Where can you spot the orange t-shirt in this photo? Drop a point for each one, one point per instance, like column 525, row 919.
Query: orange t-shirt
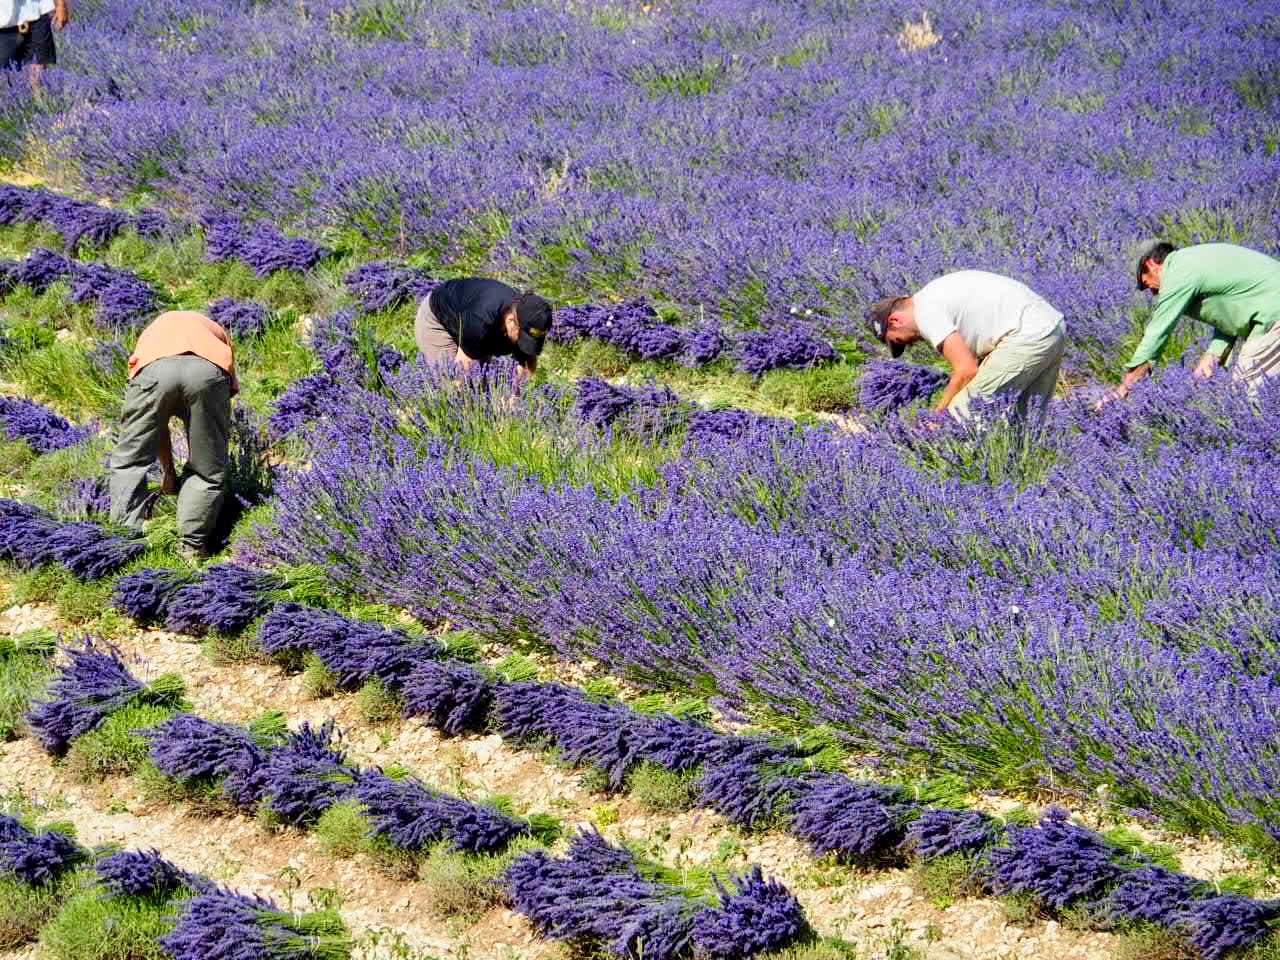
column 184, row 331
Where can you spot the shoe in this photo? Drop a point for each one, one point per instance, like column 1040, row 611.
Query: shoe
column 193, row 555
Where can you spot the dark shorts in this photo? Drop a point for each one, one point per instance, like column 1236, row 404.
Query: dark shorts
column 35, row 46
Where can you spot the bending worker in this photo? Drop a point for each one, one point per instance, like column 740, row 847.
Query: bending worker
column 182, row 366
column 998, row 335
column 1234, row 289
column 473, row 320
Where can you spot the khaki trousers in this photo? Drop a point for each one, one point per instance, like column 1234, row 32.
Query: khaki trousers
column 433, row 339
column 1258, row 358
column 1025, row 365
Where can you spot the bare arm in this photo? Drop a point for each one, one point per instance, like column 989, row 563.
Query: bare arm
column 164, row 453
column 61, row 14
column 964, row 367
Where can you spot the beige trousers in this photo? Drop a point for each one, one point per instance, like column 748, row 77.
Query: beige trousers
column 433, row 339
column 1027, row 365
column 1258, row 358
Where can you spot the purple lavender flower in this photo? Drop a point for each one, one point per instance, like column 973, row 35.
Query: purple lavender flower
column 153, row 224
column 451, row 696
column 38, row 859
column 89, row 552
column 42, row 429
column 751, row 782
column 93, row 683
column 301, row 403
column 754, row 916
column 1151, row 894
column 1218, row 925
column 299, row 779
column 141, row 873
column 219, row 924
column 109, row 358
column 1056, row 861
column 190, row 748
column 42, row 269
column 241, row 318
column 11, row 828
column 940, row 832
column 355, row 651
column 145, row 595
column 410, row 816
column 88, row 499
column 226, row 598
column 704, row 346
column 855, row 821
column 381, row 286
column 596, row 895
column 888, row 384
column 788, row 347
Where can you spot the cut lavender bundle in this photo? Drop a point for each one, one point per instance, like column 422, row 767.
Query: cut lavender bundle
column 141, row 873
column 1150, row 894
column 38, row 426
column 1056, row 861
column 88, row 499
column 451, row 696
column 226, row 598
column 606, row 735
column 857, row 822
column 1218, row 925
column 42, row 269
column 410, row 815
column 93, row 683
column 145, row 595
column 793, row 348
column 195, row 750
column 125, row 301
column 91, row 553
column 261, row 246
column 37, row 859
column 941, row 832
column 888, row 384
column 751, row 781
column 299, row 779
column 597, row 895
column 219, row 924
column 381, row 286
column 355, row 651
column 242, row 319
column 754, row 916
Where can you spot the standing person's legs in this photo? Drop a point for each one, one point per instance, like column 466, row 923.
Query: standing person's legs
column 1028, row 366
column 41, row 51
column 149, row 400
column 206, row 391
column 433, row 339
column 1258, row 358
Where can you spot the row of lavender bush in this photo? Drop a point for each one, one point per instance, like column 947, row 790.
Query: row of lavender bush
column 42, row 429
column 298, row 776
column 205, row 921
column 1102, row 586
column 753, row 781
column 735, row 156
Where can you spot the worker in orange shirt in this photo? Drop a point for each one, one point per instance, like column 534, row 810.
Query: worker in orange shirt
column 182, row 366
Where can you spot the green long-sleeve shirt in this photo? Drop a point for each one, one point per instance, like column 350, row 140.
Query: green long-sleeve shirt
column 1234, row 289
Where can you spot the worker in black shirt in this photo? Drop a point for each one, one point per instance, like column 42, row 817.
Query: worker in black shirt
column 472, row 320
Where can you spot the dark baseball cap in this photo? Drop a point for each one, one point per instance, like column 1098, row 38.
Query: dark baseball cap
column 534, row 315
column 878, row 317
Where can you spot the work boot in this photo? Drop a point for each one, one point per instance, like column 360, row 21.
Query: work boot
column 192, row 554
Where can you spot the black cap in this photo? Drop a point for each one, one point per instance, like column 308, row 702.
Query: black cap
column 878, row 317
column 534, row 315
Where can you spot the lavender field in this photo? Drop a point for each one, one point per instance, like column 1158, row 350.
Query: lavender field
column 689, row 647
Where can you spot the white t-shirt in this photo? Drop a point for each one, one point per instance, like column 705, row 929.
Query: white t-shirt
column 14, row 12
column 983, row 307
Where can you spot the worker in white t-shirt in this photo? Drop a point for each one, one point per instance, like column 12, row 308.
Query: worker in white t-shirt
column 999, row 336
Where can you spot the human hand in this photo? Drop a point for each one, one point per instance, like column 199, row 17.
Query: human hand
column 1206, row 368
column 1111, row 396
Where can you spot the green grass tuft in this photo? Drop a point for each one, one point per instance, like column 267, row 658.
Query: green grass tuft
column 114, row 747
column 464, row 885
column 79, row 602
column 343, row 830
column 93, row 925
column 377, row 703
column 659, row 790
column 24, row 910
column 947, row 879
column 318, row 681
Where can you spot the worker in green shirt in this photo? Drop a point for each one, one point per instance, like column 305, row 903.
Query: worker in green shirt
column 1233, row 288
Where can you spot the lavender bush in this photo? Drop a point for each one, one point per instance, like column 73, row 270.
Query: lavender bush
column 888, row 384
column 241, row 319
